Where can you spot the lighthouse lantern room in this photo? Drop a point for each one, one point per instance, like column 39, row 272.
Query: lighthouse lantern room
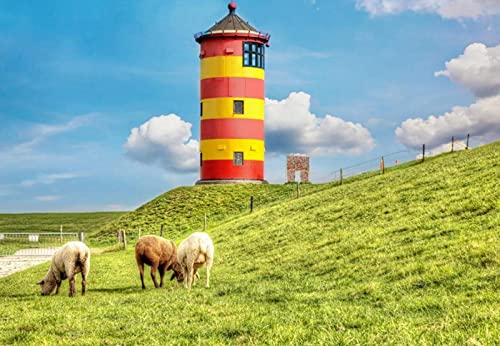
column 232, row 62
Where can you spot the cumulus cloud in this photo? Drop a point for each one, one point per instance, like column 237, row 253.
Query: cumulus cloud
column 481, row 120
column 164, row 140
column 477, row 69
column 451, row 9
column 291, row 127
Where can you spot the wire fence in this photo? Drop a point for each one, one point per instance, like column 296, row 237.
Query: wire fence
column 34, row 244
column 354, row 172
column 394, row 159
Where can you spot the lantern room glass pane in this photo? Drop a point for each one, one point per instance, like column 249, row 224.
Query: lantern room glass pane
column 246, row 59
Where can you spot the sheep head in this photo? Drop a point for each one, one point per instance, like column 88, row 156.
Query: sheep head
column 177, row 272
column 47, row 286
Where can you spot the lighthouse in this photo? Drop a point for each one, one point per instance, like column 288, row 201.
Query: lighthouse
column 232, row 63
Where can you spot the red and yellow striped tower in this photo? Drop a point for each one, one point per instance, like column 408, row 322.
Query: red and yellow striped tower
column 232, row 101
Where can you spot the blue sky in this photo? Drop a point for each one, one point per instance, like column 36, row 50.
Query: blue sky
column 77, row 77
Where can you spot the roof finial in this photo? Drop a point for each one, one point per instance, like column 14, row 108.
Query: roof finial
column 232, row 7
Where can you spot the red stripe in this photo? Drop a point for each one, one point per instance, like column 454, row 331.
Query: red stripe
column 225, row 169
column 232, row 87
column 232, row 129
column 221, row 47
column 224, row 47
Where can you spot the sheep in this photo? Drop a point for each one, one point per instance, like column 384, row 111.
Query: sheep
column 159, row 253
column 193, row 252
column 72, row 258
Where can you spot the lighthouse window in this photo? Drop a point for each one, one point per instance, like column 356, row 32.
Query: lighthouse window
column 201, row 109
column 238, row 158
column 201, row 159
column 253, row 54
column 238, row 107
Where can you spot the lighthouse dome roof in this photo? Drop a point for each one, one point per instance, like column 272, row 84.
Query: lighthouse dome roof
column 232, row 25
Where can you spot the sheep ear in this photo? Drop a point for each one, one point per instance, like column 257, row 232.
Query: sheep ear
column 41, row 282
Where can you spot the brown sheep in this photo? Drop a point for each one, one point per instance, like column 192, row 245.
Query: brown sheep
column 160, row 254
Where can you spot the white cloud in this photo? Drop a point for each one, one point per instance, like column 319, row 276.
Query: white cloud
column 478, row 69
column 481, row 120
column 48, row 198
column 291, row 127
column 40, row 133
column 49, row 179
column 452, row 9
column 164, row 140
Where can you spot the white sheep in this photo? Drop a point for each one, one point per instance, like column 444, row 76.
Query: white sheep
column 72, row 258
column 192, row 253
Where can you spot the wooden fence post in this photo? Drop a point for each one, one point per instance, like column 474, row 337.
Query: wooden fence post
column 161, row 231
column 61, row 233
column 452, row 142
column 80, row 236
column 122, row 238
column 382, row 165
column 467, row 145
column 423, row 152
column 341, row 176
column 251, row 204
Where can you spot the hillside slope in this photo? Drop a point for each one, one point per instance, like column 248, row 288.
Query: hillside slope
column 183, row 209
column 409, row 257
column 413, row 252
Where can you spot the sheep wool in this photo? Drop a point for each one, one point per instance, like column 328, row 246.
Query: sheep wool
column 72, row 258
column 193, row 252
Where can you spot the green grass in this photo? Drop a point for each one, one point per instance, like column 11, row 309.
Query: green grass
column 409, row 257
column 183, row 209
column 51, row 222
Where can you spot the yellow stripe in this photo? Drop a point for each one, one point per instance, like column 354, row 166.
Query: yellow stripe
column 222, row 107
column 228, row 66
column 223, row 149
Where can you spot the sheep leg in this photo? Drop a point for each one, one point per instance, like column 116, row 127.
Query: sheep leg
column 58, row 286
column 185, row 274
column 209, row 265
column 154, row 267
column 141, row 273
column 85, row 271
column 190, row 277
column 72, row 288
column 84, row 282
column 162, row 270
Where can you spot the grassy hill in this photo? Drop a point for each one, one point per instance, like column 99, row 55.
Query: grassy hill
column 51, row 222
column 183, row 209
column 409, row 257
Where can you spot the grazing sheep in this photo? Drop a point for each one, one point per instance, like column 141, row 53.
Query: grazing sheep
column 71, row 259
column 159, row 253
column 193, row 252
